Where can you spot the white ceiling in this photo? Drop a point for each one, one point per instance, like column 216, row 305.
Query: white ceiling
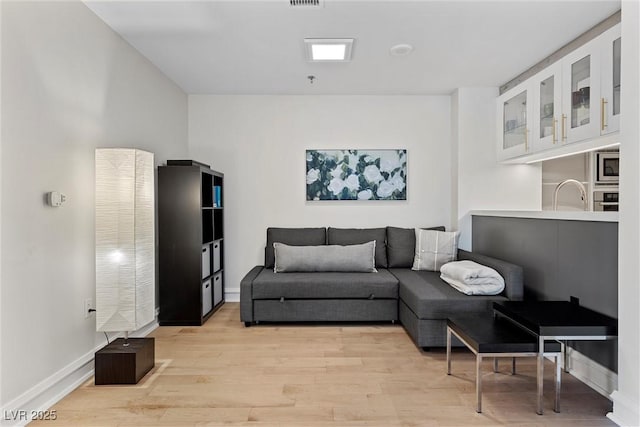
column 256, row 47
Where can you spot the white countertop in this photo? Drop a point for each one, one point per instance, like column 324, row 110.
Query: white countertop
column 563, row 215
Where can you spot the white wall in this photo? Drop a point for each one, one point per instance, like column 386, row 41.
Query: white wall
column 259, row 143
column 626, row 400
column 1, row 395
column 70, row 84
column 557, row 170
column 481, row 183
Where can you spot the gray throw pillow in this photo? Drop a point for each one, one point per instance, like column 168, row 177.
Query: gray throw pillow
column 351, row 258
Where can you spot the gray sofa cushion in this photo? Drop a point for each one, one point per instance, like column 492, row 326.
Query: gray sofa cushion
column 293, row 237
column 270, row 285
column 354, row 236
column 401, row 246
column 429, row 297
column 349, row 258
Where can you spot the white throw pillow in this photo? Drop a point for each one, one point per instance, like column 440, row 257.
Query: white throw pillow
column 434, row 249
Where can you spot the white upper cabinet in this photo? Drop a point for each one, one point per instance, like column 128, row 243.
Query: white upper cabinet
column 575, row 99
column 581, row 93
column 514, row 111
column 610, row 94
column 547, row 108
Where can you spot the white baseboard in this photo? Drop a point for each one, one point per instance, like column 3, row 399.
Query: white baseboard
column 625, row 411
column 232, row 295
column 42, row 396
column 46, row 393
column 596, row 376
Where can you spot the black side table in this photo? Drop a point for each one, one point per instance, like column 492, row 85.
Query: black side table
column 556, row 321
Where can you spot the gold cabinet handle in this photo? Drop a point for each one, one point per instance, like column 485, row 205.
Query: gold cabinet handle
column 603, row 115
column 564, row 127
column 555, row 131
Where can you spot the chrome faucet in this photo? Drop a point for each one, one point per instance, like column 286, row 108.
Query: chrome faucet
column 583, row 193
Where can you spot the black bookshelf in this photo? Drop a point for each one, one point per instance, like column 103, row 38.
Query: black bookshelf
column 191, row 242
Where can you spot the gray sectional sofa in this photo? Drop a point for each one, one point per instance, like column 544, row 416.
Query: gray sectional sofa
column 420, row 300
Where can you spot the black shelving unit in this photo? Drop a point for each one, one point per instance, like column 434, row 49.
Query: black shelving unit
column 191, row 240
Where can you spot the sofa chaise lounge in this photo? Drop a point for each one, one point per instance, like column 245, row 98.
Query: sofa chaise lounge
column 420, row 300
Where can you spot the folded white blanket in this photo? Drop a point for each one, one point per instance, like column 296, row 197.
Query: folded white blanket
column 472, row 278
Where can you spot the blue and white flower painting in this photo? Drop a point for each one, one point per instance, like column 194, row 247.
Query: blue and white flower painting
column 356, row 174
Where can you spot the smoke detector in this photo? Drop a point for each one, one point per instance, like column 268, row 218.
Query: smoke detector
column 401, row 50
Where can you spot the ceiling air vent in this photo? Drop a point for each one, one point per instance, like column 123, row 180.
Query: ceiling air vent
column 315, row 3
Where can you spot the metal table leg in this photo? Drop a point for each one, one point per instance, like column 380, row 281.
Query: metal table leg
column 540, row 380
column 495, row 364
column 448, row 351
column 478, row 383
column 556, row 403
column 513, row 366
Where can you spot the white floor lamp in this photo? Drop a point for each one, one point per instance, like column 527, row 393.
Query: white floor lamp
column 125, row 261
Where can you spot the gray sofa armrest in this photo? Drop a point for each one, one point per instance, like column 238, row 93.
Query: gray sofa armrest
column 246, row 300
column 512, row 273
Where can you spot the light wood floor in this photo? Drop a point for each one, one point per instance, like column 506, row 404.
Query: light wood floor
column 342, row 375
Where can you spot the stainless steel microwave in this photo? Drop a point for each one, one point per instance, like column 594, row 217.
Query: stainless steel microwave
column 605, row 201
column 608, row 166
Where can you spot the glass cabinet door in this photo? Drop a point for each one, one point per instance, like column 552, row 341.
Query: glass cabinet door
column 514, row 122
column 580, row 92
column 547, row 107
column 581, row 89
column 617, row 57
column 514, row 117
column 610, row 97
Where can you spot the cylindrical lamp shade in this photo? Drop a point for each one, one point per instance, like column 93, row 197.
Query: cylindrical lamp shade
column 125, row 239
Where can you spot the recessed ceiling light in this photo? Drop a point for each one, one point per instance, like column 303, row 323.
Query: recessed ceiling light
column 328, row 50
column 401, row 50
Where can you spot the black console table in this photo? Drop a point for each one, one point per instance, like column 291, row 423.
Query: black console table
column 556, row 321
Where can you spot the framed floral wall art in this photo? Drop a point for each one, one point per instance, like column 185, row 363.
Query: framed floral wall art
column 356, row 174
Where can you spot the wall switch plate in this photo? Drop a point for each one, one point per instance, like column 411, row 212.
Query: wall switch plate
column 88, row 305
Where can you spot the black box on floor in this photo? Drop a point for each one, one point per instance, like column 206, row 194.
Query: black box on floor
column 119, row 364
